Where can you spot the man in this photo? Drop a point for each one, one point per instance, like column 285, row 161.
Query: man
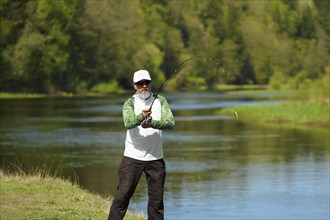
column 143, row 148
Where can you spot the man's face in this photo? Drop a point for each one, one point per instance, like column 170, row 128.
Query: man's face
column 143, row 86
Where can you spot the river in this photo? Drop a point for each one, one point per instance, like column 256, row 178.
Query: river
column 217, row 167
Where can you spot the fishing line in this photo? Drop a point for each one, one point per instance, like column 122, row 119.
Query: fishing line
column 217, row 63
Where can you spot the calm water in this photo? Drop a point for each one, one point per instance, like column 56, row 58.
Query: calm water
column 217, row 167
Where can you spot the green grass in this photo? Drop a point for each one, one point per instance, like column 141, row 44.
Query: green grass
column 4, row 95
column 228, row 87
column 37, row 196
column 95, row 93
column 20, row 95
column 289, row 113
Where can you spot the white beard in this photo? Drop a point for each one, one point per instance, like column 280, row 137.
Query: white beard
column 144, row 95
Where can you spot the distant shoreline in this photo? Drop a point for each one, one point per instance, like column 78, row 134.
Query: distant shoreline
column 291, row 113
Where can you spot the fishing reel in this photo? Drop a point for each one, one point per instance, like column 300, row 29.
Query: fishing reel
column 148, row 119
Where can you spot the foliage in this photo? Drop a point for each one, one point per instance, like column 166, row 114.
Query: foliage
column 107, row 88
column 74, row 45
column 317, row 90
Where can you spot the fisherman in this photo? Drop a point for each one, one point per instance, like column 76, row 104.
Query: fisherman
column 143, row 148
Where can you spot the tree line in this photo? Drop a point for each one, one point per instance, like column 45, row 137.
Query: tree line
column 51, row 46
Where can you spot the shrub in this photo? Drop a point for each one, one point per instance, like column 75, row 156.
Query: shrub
column 107, row 88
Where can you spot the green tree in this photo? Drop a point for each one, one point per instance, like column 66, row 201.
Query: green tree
column 108, row 35
column 39, row 58
column 172, row 51
column 13, row 17
column 284, row 15
column 150, row 57
column 307, row 25
column 323, row 7
column 77, row 45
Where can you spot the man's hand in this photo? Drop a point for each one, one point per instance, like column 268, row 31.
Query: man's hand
column 146, row 113
column 146, row 123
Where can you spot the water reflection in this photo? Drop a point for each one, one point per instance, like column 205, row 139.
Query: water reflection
column 217, row 167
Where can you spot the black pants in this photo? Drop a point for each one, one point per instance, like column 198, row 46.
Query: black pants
column 129, row 173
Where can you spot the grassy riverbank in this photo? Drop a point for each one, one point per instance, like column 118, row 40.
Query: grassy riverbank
column 288, row 113
column 44, row 197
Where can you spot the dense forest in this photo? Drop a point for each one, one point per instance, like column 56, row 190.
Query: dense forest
column 50, row 46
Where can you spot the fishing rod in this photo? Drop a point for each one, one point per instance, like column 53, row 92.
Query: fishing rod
column 172, row 74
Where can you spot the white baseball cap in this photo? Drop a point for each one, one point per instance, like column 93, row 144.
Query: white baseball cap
column 140, row 75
